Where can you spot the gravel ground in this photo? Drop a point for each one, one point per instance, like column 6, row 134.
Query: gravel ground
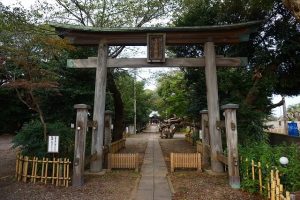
column 192, row 185
column 118, row 184
column 115, row 185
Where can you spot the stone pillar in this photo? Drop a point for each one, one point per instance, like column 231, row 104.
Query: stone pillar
column 99, row 109
column 79, row 151
column 213, row 105
column 232, row 144
column 205, row 139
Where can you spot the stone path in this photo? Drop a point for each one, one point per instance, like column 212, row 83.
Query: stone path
column 153, row 184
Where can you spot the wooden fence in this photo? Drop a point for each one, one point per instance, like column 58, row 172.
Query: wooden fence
column 117, row 146
column 271, row 184
column 188, row 138
column 123, row 161
column 185, row 160
column 55, row 171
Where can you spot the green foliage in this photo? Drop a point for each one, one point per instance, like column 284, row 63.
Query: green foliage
column 125, row 82
column 31, row 142
column 172, row 91
column 273, row 60
column 269, row 156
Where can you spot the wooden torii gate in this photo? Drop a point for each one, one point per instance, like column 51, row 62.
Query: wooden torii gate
column 156, row 38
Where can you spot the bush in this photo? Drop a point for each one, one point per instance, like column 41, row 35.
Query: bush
column 268, row 155
column 31, row 142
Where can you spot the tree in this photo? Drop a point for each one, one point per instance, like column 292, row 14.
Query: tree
column 25, row 51
column 134, row 13
column 293, row 112
column 293, row 6
column 172, row 91
column 272, row 53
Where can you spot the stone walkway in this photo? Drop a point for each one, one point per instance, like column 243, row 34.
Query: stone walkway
column 153, row 184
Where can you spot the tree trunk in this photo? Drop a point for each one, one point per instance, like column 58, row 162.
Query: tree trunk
column 119, row 125
column 41, row 115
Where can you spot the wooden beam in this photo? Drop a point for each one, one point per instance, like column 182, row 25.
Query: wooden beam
column 213, row 105
column 142, row 62
column 99, row 108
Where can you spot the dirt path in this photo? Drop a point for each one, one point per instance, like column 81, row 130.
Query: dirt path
column 118, row 184
column 115, row 185
column 7, row 156
column 201, row 186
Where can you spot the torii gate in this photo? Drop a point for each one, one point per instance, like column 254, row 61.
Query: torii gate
column 156, row 38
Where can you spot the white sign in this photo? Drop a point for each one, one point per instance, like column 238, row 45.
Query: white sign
column 53, row 144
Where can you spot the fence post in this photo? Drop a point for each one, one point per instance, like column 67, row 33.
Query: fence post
column 79, row 151
column 205, row 138
column 232, row 144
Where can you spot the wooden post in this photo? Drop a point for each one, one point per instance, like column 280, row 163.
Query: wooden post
column 213, row 105
column 205, row 138
column 99, row 109
column 107, row 129
column 79, row 152
column 232, row 144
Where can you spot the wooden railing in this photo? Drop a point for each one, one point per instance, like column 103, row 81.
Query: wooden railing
column 123, row 161
column 185, row 160
column 117, row 146
column 188, row 138
column 271, row 184
column 222, row 158
column 55, row 171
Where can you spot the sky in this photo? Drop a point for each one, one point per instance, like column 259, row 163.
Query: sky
column 147, row 73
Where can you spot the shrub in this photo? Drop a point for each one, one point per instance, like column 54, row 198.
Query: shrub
column 268, row 155
column 31, row 142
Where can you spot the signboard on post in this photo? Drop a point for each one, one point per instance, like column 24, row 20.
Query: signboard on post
column 53, row 144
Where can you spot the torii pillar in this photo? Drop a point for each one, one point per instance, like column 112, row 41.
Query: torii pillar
column 99, row 108
column 213, row 105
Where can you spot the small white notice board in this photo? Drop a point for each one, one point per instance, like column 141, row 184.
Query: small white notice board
column 53, row 143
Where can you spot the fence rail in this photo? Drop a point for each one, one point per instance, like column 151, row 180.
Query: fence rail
column 117, row 146
column 188, row 138
column 123, row 161
column 185, row 160
column 34, row 170
column 270, row 183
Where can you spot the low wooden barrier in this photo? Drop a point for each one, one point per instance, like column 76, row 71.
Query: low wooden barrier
column 204, row 149
column 222, row 158
column 123, row 161
column 189, row 138
column 185, row 160
column 55, row 171
column 271, row 184
column 117, row 146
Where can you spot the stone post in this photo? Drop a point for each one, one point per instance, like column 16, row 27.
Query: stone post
column 79, row 151
column 205, row 138
column 232, row 144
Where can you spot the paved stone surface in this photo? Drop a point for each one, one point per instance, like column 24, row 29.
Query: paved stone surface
column 153, row 184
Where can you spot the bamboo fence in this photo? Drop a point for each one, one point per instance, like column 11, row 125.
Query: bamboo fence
column 117, row 146
column 185, row 160
column 55, row 171
column 123, row 161
column 271, row 184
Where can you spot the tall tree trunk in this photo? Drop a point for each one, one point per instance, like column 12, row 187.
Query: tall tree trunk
column 119, row 125
column 41, row 115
